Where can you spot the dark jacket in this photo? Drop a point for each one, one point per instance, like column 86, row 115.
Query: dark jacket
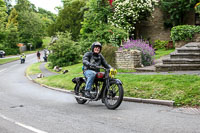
column 90, row 60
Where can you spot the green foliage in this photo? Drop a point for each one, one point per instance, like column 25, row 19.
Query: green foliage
column 11, row 51
column 129, row 12
column 12, row 37
column 184, row 32
column 197, row 8
column 31, row 28
column 108, row 52
column 69, row 19
column 34, row 69
column 160, row 44
column 3, row 16
column 96, row 27
column 8, row 5
column 46, row 41
column 24, row 5
column 176, row 9
column 32, row 23
column 6, row 60
column 105, row 34
column 64, row 52
column 47, row 17
column 162, row 52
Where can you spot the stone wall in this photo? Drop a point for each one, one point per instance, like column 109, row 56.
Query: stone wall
column 196, row 38
column 153, row 28
column 128, row 59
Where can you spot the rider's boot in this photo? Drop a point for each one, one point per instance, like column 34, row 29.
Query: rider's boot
column 87, row 94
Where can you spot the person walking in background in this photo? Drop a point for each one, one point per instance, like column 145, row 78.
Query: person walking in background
column 38, row 56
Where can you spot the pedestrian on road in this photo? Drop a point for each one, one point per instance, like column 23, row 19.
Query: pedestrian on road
column 38, row 56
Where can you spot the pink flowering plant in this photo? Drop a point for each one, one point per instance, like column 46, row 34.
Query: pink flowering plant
column 147, row 51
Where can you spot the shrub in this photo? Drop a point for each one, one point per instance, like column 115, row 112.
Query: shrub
column 11, row 51
column 146, row 49
column 108, row 52
column 105, row 34
column 160, row 44
column 129, row 12
column 64, row 52
column 184, row 32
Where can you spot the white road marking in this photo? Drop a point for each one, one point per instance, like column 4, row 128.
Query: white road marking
column 22, row 125
column 8, row 68
column 13, row 65
column 3, row 70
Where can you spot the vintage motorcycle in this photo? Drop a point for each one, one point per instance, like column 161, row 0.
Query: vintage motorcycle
column 105, row 88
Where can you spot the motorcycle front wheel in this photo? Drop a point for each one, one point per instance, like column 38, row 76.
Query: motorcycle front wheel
column 113, row 96
column 79, row 91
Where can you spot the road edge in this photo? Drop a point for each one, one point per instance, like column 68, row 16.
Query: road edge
column 128, row 99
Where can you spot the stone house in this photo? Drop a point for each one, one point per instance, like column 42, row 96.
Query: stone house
column 153, row 28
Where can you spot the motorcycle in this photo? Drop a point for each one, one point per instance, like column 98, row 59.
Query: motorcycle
column 105, row 87
column 22, row 60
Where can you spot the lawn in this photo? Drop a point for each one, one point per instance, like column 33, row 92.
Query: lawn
column 34, row 69
column 162, row 52
column 183, row 89
column 6, row 60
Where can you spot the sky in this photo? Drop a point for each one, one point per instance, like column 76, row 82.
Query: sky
column 48, row 5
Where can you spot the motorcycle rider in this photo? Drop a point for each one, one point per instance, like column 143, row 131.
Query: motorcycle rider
column 23, row 57
column 91, row 60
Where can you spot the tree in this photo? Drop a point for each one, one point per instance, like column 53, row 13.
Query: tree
column 69, row 19
column 8, row 5
column 47, row 17
column 31, row 28
column 3, row 16
column 30, row 25
column 24, row 5
column 64, row 52
column 176, row 10
column 96, row 26
column 12, row 30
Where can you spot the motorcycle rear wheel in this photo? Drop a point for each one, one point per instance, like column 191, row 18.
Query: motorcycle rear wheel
column 80, row 92
column 114, row 96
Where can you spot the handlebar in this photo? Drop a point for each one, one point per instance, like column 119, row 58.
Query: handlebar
column 100, row 67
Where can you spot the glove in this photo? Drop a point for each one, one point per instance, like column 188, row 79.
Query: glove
column 93, row 66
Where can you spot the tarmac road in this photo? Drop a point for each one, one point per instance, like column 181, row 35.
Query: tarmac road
column 27, row 107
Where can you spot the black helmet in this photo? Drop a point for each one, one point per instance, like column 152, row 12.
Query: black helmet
column 96, row 44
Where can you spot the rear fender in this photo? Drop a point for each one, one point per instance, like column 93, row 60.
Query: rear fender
column 78, row 80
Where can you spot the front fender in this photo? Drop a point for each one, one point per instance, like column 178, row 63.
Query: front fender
column 116, row 81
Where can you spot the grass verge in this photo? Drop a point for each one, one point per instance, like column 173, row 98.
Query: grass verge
column 33, row 69
column 183, row 89
column 7, row 60
column 163, row 52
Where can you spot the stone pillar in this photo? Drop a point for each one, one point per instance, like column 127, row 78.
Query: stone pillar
column 128, row 59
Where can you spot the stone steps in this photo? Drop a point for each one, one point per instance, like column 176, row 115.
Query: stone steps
column 188, row 50
column 192, row 44
column 181, row 61
column 176, row 67
column 185, row 55
column 184, row 58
